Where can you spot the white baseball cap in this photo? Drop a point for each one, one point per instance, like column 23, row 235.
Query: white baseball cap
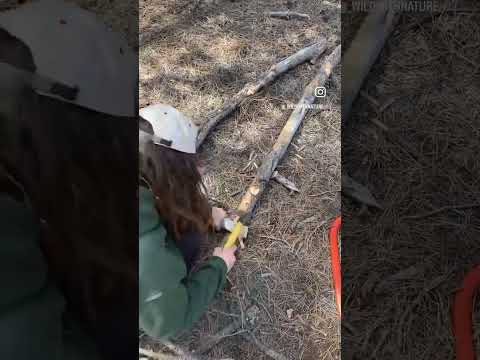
column 166, row 126
column 77, row 58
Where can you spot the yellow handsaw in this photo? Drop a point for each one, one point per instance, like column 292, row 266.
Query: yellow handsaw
column 237, row 230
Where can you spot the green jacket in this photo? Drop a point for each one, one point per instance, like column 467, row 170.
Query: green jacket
column 169, row 299
column 32, row 322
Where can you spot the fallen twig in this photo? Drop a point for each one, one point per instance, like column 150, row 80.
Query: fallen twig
column 265, row 171
column 284, row 181
column 378, row 109
column 288, row 15
column 266, row 350
column 219, row 336
column 267, row 78
column 227, row 331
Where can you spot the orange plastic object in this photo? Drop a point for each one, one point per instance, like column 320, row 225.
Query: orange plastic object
column 462, row 315
column 336, row 265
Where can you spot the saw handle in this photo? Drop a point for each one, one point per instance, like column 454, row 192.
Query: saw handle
column 231, row 239
column 336, row 261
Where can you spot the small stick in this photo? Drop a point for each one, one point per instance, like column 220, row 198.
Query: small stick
column 288, row 15
column 290, row 185
column 265, row 171
column 213, row 340
column 229, row 330
column 378, row 109
column 266, row 350
column 267, row 78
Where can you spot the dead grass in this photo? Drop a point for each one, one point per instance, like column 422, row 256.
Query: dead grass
column 194, row 55
column 402, row 265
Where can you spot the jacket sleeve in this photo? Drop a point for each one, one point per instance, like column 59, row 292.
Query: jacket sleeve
column 30, row 307
column 171, row 301
column 177, row 307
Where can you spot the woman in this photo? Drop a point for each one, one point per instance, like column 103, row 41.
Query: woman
column 68, row 261
column 174, row 220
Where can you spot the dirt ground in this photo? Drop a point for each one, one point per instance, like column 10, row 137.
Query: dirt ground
column 194, row 55
column 402, row 265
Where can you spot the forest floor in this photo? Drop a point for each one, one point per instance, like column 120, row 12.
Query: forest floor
column 401, row 142
column 194, row 55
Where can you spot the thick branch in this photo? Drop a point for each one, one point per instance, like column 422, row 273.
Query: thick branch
column 267, row 78
column 265, row 171
column 363, row 52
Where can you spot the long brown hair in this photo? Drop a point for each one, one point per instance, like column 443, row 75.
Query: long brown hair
column 78, row 168
column 176, row 183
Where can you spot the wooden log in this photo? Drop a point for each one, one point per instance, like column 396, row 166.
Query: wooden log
column 265, row 171
column 267, row 78
column 288, row 15
column 363, row 52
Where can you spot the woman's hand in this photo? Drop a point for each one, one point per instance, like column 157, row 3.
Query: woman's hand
column 218, row 215
column 227, row 255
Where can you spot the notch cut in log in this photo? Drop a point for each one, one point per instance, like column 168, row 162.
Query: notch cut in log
column 265, row 171
column 363, row 52
column 301, row 56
